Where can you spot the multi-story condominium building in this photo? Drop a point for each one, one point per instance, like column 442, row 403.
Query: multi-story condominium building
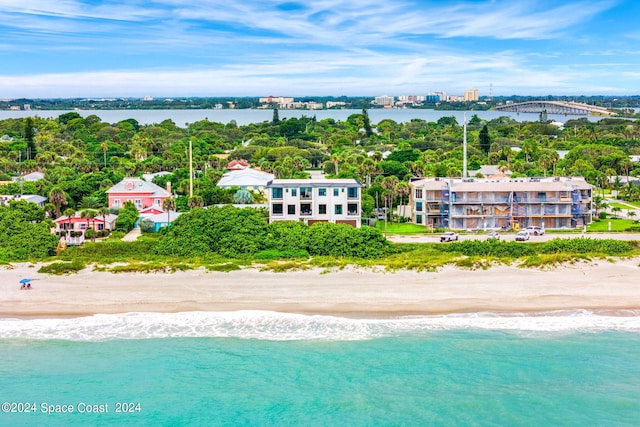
column 471, row 95
column 315, row 200
column 275, row 100
column 384, row 100
column 472, row 203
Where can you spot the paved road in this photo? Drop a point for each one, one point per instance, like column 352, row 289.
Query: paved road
column 435, row 238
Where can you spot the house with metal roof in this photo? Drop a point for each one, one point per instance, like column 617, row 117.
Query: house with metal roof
column 142, row 193
column 246, row 179
column 472, row 203
column 33, row 198
column 315, row 200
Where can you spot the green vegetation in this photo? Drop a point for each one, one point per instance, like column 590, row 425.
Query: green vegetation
column 24, row 236
column 232, row 232
column 407, row 228
column 617, row 225
column 82, row 157
column 60, row 268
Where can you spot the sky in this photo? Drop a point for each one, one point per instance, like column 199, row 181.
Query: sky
column 210, row 48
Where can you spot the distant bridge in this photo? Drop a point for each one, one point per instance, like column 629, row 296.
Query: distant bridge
column 555, row 107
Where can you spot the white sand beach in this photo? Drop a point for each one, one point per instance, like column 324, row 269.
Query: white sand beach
column 599, row 285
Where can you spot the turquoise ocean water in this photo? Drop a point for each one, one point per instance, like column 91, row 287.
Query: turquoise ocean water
column 260, row 368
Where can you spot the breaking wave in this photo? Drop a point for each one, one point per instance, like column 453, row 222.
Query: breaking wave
column 267, row 325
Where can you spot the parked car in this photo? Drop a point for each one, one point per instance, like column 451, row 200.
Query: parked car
column 449, row 236
column 536, row 231
column 494, row 235
column 522, row 236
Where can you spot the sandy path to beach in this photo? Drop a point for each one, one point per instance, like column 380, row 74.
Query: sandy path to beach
column 601, row 285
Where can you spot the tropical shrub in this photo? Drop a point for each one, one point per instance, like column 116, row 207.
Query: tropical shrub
column 21, row 239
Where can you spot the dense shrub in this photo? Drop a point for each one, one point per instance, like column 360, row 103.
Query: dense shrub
column 234, row 232
column 341, row 240
column 23, row 240
column 287, row 235
column 227, row 230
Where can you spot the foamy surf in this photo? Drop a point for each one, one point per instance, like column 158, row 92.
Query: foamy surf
column 284, row 326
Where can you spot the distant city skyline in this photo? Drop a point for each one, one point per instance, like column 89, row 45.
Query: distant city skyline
column 210, row 48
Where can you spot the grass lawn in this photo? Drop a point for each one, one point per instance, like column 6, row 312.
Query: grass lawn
column 625, row 206
column 404, row 229
column 617, row 224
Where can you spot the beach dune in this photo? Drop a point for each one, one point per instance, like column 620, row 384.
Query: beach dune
column 600, row 285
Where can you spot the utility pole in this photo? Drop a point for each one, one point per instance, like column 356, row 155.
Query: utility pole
column 190, row 169
column 464, row 147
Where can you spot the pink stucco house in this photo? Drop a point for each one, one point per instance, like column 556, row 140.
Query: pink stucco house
column 143, row 194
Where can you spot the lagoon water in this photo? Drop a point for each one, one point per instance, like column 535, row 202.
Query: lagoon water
column 262, row 368
column 247, row 116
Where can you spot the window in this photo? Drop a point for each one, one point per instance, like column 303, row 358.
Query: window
column 338, row 209
column 418, row 193
column 305, row 209
column 352, row 192
column 116, row 203
column 352, row 209
column 276, row 193
column 419, row 206
column 156, row 202
column 336, row 192
column 276, row 208
column 322, row 209
column 294, row 192
column 291, row 209
column 418, row 219
column 305, row 193
column 322, row 191
column 138, row 203
column 542, row 196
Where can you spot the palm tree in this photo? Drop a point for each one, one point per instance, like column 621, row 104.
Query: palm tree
column 402, row 189
column 631, row 213
column 615, row 210
column 103, row 212
column 104, row 148
column 169, row 205
column 390, row 184
column 89, row 215
column 69, row 213
column 243, row 197
column 195, row 202
column 58, row 197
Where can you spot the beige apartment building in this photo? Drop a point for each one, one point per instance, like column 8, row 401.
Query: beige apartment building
column 472, row 203
column 471, row 95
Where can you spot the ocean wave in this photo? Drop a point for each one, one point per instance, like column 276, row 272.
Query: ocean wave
column 284, row 326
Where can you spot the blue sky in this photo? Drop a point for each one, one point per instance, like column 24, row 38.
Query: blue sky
column 175, row 48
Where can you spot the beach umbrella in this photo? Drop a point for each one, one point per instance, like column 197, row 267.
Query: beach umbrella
column 25, row 280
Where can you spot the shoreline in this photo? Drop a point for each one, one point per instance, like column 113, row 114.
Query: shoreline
column 351, row 292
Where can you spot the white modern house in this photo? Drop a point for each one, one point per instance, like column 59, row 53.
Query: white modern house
column 315, row 200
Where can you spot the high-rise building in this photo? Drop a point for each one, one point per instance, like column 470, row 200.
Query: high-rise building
column 384, row 100
column 471, row 95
